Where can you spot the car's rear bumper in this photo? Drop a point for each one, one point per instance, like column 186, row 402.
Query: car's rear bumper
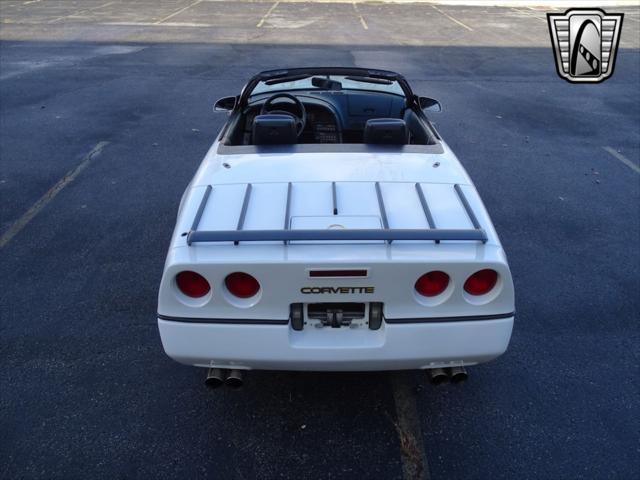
column 395, row 346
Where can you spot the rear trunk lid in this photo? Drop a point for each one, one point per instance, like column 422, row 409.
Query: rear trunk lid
column 382, row 211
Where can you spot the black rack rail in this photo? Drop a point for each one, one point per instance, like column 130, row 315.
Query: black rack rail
column 386, row 234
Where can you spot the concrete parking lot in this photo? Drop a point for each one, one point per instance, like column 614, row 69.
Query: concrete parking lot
column 105, row 113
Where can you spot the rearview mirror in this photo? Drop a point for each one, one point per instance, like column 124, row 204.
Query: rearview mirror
column 430, row 104
column 326, row 83
column 225, row 104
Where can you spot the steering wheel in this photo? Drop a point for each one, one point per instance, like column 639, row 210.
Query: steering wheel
column 300, row 119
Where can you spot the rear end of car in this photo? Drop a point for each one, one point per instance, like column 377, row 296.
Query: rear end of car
column 340, row 276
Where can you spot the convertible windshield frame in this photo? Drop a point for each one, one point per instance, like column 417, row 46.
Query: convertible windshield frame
column 307, row 84
column 249, row 88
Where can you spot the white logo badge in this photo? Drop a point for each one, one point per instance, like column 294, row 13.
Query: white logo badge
column 585, row 42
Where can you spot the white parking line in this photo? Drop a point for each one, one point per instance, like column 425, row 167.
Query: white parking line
column 453, row 19
column 22, row 222
column 414, row 459
column 162, row 25
column 178, row 12
column 362, row 22
column 87, row 10
column 266, row 15
column 528, row 14
column 623, row 159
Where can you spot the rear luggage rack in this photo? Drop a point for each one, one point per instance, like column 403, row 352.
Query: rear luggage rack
column 386, row 234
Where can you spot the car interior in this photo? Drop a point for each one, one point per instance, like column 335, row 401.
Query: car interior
column 328, row 116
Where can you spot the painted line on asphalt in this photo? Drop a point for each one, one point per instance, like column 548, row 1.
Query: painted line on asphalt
column 154, row 24
column 623, row 159
column 178, row 12
column 453, row 19
column 266, row 15
column 362, row 22
column 22, row 222
column 528, row 14
column 414, row 459
column 86, row 10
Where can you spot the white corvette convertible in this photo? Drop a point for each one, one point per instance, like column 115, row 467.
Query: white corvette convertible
column 329, row 227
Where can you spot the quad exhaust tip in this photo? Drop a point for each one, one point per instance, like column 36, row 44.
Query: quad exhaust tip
column 216, row 377
column 438, row 376
column 234, row 379
column 458, row 374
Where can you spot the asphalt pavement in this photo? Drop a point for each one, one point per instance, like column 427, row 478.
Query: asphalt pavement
column 105, row 114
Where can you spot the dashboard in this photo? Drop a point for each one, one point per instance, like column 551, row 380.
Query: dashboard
column 322, row 126
column 332, row 116
column 322, row 123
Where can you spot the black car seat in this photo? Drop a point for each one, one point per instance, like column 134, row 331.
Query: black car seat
column 386, row 131
column 418, row 133
column 274, row 129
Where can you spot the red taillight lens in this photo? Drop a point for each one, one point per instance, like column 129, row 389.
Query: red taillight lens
column 432, row 283
column 481, row 282
column 192, row 284
column 242, row 284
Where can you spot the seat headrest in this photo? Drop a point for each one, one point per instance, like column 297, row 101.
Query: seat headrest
column 388, row 131
column 274, row 129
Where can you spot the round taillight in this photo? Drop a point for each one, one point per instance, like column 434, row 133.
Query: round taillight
column 192, row 284
column 481, row 282
column 432, row 283
column 242, row 285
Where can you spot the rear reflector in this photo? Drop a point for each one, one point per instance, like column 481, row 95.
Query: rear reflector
column 337, row 273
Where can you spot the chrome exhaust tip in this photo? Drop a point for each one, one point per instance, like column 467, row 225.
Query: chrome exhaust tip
column 215, row 378
column 234, row 379
column 458, row 374
column 437, row 376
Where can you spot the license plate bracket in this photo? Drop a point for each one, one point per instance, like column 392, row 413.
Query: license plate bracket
column 336, row 314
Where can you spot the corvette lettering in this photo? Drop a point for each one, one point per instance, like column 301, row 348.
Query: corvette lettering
column 314, row 290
